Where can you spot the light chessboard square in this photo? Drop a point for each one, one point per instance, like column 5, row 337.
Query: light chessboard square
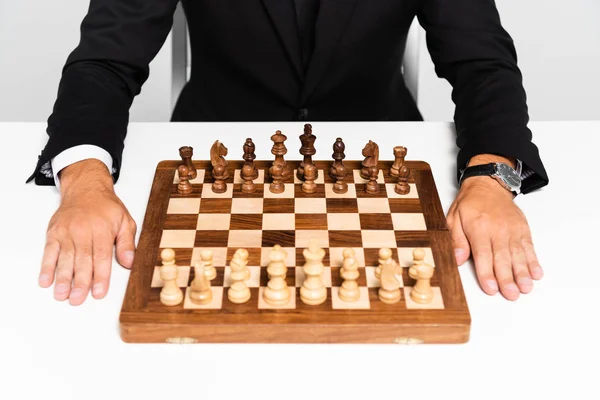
column 310, row 206
column 219, row 255
column 183, row 206
column 275, row 222
column 336, row 256
column 262, row 304
column 362, row 303
column 391, row 193
column 300, row 276
column 237, row 178
column 245, row 238
column 178, row 238
column 320, row 177
column 213, row 222
column 208, row 193
column 247, row 206
column 358, row 179
column 183, row 276
column 373, row 206
column 290, row 259
column 436, row 303
column 409, row 222
column 253, row 281
column 330, row 194
column 215, row 304
column 304, row 237
column 378, row 239
column 197, row 181
column 288, row 192
column 343, row 222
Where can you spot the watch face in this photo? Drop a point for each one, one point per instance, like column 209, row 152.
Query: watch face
column 509, row 175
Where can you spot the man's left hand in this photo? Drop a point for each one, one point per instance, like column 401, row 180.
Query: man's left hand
column 487, row 224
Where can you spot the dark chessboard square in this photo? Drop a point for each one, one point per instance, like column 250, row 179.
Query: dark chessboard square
column 278, row 206
column 254, row 254
column 180, row 222
column 345, row 239
column 257, row 194
column 376, row 222
column 311, row 221
column 211, row 238
column 208, row 178
column 196, row 192
column 319, row 193
column 300, row 260
column 372, row 257
column 378, row 306
column 215, row 206
column 405, row 206
column 246, row 221
column 412, row 238
column 183, row 257
column 290, row 277
column 282, row 238
column 342, row 206
column 362, row 193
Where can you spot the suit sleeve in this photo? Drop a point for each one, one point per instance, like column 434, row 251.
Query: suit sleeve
column 102, row 76
column 473, row 52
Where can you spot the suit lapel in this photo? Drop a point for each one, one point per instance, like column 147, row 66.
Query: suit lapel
column 332, row 20
column 283, row 17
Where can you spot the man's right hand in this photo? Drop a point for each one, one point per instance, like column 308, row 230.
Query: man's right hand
column 90, row 220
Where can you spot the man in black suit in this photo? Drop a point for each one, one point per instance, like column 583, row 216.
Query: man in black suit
column 283, row 60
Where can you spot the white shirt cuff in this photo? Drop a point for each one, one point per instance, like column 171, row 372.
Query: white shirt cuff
column 76, row 154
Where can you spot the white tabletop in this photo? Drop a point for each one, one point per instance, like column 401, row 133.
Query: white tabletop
column 545, row 343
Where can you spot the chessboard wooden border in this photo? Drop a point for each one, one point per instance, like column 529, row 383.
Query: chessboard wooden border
column 140, row 324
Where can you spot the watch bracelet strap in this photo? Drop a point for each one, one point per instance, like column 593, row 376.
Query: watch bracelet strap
column 478, row 170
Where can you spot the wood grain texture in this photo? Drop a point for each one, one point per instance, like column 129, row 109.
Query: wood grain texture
column 144, row 319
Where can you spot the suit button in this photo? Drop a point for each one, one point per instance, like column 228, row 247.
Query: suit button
column 303, row 114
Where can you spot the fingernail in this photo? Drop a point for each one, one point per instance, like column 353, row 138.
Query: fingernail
column 44, row 279
column 524, row 281
column 459, row 253
column 77, row 292
column 61, row 288
column 511, row 287
column 492, row 285
column 537, row 271
column 98, row 289
column 129, row 256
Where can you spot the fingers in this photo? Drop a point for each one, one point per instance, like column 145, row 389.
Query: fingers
column 125, row 243
column 459, row 242
column 49, row 261
column 102, row 257
column 481, row 248
column 520, row 267
column 64, row 270
column 82, row 269
column 533, row 263
column 503, row 266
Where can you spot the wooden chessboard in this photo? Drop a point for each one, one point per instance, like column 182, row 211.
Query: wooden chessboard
column 257, row 222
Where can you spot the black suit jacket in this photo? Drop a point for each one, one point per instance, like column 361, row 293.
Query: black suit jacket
column 247, row 66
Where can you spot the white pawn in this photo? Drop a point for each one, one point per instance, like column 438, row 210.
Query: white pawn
column 349, row 290
column 170, row 294
column 313, row 290
column 422, row 293
column 200, row 292
column 209, row 270
column 277, row 292
column 239, row 292
column 385, row 256
column 418, row 259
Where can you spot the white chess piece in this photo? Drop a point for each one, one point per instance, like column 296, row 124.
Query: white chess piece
column 239, row 292
column 349, row 291
column 170, row 294
column 277, row 292
column 313, row 290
